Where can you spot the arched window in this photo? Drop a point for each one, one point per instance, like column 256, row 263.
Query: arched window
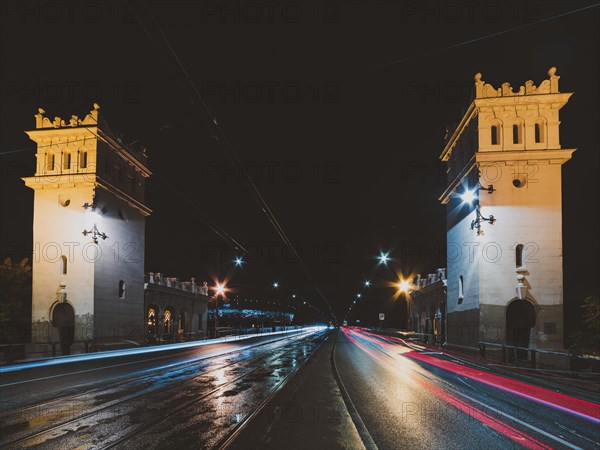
column 495, row 135
column 83, row 160
column 63, row 265
column 517, row 133
column 66, row 161
column 461, row 291
column 151, row 320
column 539, row 130
column 167, row 322
column 49, row 161
column 519, row 256
column 121, row 289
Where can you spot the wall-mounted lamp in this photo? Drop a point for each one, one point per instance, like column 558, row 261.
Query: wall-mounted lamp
column 476, row 223
column 95, row 234
column 472, row 196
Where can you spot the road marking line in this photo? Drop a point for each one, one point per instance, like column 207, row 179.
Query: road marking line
column 502, row 413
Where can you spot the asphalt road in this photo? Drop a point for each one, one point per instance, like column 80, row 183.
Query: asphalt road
column 408, row 397
column 150, row 398
column 346, row 388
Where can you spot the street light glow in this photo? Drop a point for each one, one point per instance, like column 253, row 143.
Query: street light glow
column 468, row 196
column 238, row 261
column 275, row 284
column 358, row 295
column 220, row 289
column 384, row 258
column 367, row 283
column 404, row 286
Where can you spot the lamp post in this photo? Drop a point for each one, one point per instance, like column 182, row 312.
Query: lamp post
column 404, row 287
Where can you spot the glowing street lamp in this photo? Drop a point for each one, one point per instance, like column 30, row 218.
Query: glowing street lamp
column 404, row 286
column 384, row 258
column 367, row 283
column 220, row 289
column 359, row 295
column 276, row 285
column 468, row 196
column 238, row 261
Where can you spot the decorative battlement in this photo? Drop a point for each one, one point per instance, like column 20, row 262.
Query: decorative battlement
column 174, row 283
column 432, row 278
column 92, row 119
column 44, row 122
column 549, row 86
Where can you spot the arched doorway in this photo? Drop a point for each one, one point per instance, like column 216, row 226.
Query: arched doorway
column 167, row 323
column 181, row 326
column 520, row 319
column 151, row 321
column 63, row 318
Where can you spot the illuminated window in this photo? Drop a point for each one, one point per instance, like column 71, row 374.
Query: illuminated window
column 66, row 161
column 167, row 322
column 121, row 289
column 63, row 265
column 83, row 160
column 460, row 289
column 151, row 320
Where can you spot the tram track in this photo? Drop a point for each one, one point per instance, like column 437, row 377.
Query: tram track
column 196, row 363
column 56, row 430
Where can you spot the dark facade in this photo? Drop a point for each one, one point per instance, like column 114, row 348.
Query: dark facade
column 174, row 310
column 427, row 307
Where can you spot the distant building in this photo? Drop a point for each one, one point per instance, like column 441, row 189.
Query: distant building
column 427, row 307
column 504, row 217
column 175, row 310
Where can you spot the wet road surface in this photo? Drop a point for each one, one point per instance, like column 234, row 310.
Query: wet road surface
column 406, row 397
column 346, row 389
column 192, row 398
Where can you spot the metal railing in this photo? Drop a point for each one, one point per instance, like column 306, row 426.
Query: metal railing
column 511, row 353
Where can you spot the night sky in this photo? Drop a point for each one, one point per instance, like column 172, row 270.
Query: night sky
column 339, row 111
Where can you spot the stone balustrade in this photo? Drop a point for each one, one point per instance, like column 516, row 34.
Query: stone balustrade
column 175, row 283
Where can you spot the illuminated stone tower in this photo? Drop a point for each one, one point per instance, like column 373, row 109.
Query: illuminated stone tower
column 88, row 231
column 504, row 217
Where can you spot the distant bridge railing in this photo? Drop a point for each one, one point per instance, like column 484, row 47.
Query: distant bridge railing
column 12, row 352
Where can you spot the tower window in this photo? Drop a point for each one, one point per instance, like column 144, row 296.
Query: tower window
column 538, row 133
column 66, row 161
column 494, row 135
column 519, row 256
column 83, row 160
column 63, row 265
column 121, row 289
column 517, row 134
column 460, row 289
column 49, row 161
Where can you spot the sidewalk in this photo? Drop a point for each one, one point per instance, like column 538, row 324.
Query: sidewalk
column 584, row 385
column 308, row 413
